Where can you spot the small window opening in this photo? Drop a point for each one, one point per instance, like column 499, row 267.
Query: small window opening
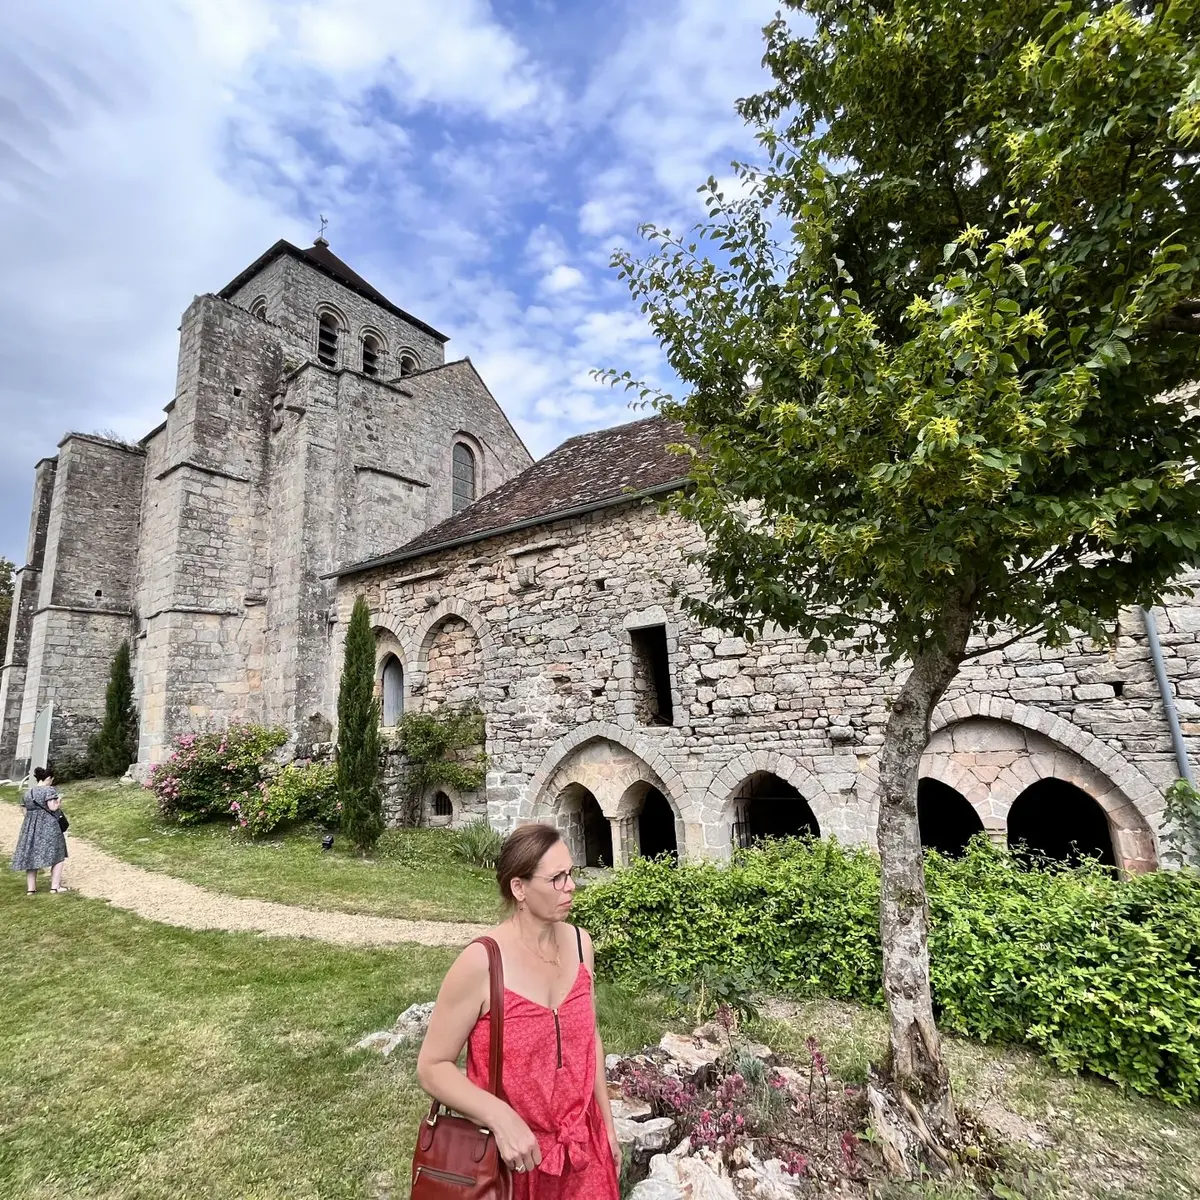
column 652, row 676
column 99, row 593
column 327, row 340
column 393, row 691
column 441, row 805
column 1119, row 687
column 464, row 478
column 599, row 584
column 259, row 308
column 370, row 355
column 408, row 365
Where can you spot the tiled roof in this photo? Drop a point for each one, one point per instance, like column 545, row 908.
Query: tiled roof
column 586, row 472
column 320, row 256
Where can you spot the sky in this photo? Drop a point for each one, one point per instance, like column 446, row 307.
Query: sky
column 478, row 162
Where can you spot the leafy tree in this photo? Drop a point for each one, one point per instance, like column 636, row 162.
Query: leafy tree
column 112, row 750
column 943, row 411
column 358, row 764
column 6, row 597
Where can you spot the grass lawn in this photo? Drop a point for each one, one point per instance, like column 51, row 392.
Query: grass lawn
column 413, row 875
column 140, row 1061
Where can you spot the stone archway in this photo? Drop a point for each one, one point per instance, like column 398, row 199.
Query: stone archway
column 584, row 827
column 1059, row 821
column 992, row 761
column 947, row 818
column 765, row 806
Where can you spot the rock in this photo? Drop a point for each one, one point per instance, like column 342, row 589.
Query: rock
column 702, row 1181
column 412, row 1023
column 757, row 1050
column 611, row 1063
column 769, row 1181
column 410, row 1026
column 661, row 1184
column 1010, row 1125
column 690, row 1057
column 630, row 1110
column 644, row 1137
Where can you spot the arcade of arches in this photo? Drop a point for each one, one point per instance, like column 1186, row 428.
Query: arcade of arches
column 978, row 776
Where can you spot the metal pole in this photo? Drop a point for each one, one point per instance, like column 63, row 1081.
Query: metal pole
column 1168, row 697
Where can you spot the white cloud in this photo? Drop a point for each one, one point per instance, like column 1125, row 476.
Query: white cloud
column 563, row 279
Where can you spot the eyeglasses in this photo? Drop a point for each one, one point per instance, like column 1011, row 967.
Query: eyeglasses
column 559, row 880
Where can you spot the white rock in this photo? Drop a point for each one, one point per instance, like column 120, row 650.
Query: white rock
column 383, row 1040
column 630, row 1110
column 611, row 1063
column 412, row 1023
column 661, row 1184
column 704, row 1182
column 690, row 1056
column 644, row 1136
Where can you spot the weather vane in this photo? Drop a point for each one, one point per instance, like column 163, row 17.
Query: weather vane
column 324, row 226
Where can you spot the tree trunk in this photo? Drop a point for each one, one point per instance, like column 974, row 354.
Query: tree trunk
column 911, row 1099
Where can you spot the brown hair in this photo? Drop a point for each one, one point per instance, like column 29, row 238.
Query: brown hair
column 519, row 856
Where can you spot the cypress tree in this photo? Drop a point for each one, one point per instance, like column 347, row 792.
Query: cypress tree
column 112, row 750
column 358, row 765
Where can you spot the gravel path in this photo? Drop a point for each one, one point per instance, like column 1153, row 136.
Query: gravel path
column 171, row 901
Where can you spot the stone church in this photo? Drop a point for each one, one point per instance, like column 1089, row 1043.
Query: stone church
column 319, row 447
column 313, row 423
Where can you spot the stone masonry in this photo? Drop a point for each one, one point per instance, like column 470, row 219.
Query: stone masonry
column 552, row 611
column 207, row 542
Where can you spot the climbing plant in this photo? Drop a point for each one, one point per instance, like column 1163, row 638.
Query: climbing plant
column 1181, row 839
column 433, row 743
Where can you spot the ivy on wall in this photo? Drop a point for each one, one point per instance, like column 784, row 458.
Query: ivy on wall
column 433, row 743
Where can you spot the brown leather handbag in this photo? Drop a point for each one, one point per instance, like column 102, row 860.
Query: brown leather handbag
column 455, row 1159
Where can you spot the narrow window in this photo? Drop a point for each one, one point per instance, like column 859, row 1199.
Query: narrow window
column 327, row 340
column 652, row 675
column 464, row 477
column 259, row 308
column 393, row 691
column 370, row 354
column 441, row 805
column 408, row 364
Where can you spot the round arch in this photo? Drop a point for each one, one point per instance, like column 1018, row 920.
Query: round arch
column 422, row 637
column 664, row 776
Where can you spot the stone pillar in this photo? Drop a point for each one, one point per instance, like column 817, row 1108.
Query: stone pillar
column 626, row 843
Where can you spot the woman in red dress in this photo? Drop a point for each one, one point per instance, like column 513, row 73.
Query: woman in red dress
column 554, row 1125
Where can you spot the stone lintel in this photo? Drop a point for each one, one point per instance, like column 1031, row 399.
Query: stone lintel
column 390, row 474
column 204, row 469
column 535, row 547
column 417, row 577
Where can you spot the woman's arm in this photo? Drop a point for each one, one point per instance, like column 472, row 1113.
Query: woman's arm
column 458, row 1007
column 600, row 1087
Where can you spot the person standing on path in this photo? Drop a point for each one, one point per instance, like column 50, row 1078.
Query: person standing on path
column 41, row 843
column 554, row 1125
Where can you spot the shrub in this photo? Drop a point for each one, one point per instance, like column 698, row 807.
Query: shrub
column 299, row 791
column 1097, row 972
column 358, row 765
column 115, row 746
column 208, row 772
column 478, row 843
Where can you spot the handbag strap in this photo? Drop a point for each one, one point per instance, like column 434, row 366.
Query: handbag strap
column 496, row 1015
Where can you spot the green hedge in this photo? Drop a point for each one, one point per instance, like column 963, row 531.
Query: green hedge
column 1099, row 973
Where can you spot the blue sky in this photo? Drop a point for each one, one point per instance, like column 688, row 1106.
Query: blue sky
column 478, row 163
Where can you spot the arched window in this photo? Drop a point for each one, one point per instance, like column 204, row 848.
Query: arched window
column 259, row 308
column 328, row 332
column 464, row 477
column 408, row 363
column 441, row 805
column 393, row 691
column 372, row 352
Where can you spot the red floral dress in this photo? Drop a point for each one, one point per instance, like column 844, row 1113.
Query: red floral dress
column 549, row 1075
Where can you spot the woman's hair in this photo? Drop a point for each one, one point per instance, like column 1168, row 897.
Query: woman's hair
column 40, row 773
column 519, row 856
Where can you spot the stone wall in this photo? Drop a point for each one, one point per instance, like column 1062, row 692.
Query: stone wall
column 85, row 599
column 26, row 587
column 553, row 610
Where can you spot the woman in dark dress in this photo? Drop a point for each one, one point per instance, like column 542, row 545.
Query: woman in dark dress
column 41, row 842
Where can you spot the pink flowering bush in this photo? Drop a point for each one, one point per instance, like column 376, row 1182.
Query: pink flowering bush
column 208, row 773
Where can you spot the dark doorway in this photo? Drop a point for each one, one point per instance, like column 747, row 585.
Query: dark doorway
column 597, row 834
column 656, row 827
column 770, row 808
column 948, row 822
column 1060, row 821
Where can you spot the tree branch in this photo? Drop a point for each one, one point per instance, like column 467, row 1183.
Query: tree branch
column 980, row 651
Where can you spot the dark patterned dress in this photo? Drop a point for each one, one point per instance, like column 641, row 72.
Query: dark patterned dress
column 40, row 843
